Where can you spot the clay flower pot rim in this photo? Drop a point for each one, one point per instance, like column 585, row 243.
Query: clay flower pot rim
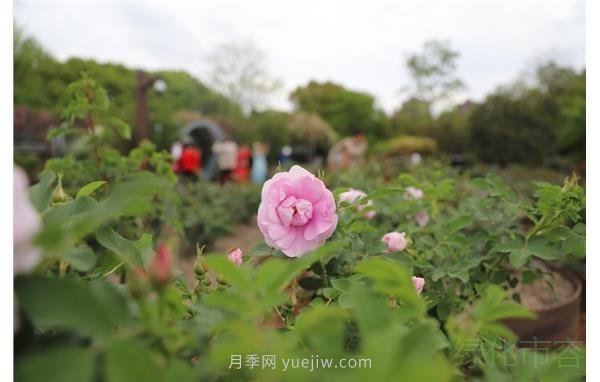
column 576, row 294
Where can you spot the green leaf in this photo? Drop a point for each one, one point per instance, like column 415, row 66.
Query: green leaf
column 518, row 258
column 128, row 361
column 145, row 247
column 574, row 244
column 458, row 224
column 437, row 274
column 180, row 371
column 341, row 284
column 111, row 300
column 322, row 327
column 528, row 277
column 278, row 273
column 59, row 303
column 55, row 364
column 122, row 128
column 40, row 193
column 123, row 248
column 494, row 306
column 392, row 279
column 370, row 310
column 541, row 249
column 89, row 188
column 80, row 258
column 382, row 192
column 462, row 275
column 509, row 246
column 226, row 270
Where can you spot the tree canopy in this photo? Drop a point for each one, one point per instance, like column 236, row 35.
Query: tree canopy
column 347, row 111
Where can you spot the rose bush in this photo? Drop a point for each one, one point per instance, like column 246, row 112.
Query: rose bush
column 108, row 302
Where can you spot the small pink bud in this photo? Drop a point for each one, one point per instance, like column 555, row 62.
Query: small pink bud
column 161, row 267
column 413, row 193
column 419, row 284
column 422, row 218
column 353, row 196
column 396, row 241
column 235, row 256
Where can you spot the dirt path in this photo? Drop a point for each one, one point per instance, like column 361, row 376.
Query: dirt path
column 245, row 237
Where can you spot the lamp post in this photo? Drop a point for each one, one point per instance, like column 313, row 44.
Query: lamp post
column 144, row 83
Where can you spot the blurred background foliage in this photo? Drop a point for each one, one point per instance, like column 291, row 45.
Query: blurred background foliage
column 538, row 119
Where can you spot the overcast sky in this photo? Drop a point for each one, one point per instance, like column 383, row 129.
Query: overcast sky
column 360, row 44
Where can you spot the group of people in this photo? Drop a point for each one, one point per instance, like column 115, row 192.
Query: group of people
column 239, row 163
column 236, row 163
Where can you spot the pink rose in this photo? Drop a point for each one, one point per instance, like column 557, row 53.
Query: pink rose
column 413, row 193
column 296, row 212
column 396, row 241
column 161, row 266
column 422, row 218
column 235, row 256
column 353, row 196
column 26, row 224
column 419, row 283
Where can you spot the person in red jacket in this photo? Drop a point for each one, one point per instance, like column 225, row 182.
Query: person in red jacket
column 190, row 161
column 241, row 172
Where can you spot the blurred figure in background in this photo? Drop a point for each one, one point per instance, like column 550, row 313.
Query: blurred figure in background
column 226, row 152
column 259, row 162
column 349, row 152
column 285, row 157
column 415, row 159
column 176, row 150
column 242, row 168
column 190, row 161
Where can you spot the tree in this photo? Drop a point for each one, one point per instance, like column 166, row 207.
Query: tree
column 265, row 126
column 513, row 129
column 414, row 117
column 40, row 82
column 239, row 72
column 433, row 72
column 451, row 128
column 345, row 110
column 32, row 66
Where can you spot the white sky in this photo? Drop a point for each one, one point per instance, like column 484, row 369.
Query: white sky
column 360, row 44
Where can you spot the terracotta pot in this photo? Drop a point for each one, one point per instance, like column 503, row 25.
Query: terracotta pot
column 554, row 326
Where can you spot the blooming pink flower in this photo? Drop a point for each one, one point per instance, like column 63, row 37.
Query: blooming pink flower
column 161, row 267
column 396, row 241
column 422, row 218
column 353, row 196
column 235, row 256
column 296, row 212
column 419, row 284
column 413, row 193
column 26, row 224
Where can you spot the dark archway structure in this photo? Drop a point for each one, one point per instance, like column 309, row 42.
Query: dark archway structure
column 202, row 134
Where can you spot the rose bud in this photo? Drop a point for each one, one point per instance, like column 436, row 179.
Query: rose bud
column 396, row 241
column 419, row 283
column 161, row 267
column 235, row 256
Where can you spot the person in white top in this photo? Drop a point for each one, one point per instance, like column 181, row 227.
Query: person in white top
column 176, row 150
column 226, row 151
